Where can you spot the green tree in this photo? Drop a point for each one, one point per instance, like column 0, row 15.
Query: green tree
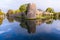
column 17, row 11
column 23, row 8
column 51, row 10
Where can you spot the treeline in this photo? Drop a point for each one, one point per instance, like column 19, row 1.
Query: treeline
column 23, row 8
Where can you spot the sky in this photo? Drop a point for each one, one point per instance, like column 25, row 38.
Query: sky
column 5, row 5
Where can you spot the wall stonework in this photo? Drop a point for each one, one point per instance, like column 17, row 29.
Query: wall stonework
column 31, row 13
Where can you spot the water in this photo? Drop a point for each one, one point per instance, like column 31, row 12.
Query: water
column 19, row 29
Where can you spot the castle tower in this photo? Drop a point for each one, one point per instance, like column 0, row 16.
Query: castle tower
column 31, row 13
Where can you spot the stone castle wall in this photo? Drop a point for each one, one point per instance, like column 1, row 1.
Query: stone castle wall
column 31, row 13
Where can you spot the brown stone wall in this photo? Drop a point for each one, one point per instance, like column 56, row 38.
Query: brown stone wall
column 31, row 13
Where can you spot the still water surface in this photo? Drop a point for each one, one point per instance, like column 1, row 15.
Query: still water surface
column 18, row 29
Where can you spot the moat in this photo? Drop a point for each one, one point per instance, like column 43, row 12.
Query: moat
column 20, row 29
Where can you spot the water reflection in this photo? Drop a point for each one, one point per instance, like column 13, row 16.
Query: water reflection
column 10, row 19
column 1, row 20
column 20, row 28
column 30, row 25
column 49, row 21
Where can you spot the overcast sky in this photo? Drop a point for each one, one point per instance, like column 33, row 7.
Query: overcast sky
column 42, row 4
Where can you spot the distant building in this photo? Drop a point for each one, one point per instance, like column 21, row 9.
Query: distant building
column 39, row 13
column 47, row 13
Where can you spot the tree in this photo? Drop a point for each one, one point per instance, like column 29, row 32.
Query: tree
column 10, row 12
column 17, row 11
column 51, row 10
column 23, row 8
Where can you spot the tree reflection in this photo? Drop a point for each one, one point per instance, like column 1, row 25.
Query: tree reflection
column 49, row 22
column 1, row 20
column 10, row 19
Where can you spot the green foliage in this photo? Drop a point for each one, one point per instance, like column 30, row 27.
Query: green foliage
column 23, row 8
column 17, row 11
column 51, row 10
